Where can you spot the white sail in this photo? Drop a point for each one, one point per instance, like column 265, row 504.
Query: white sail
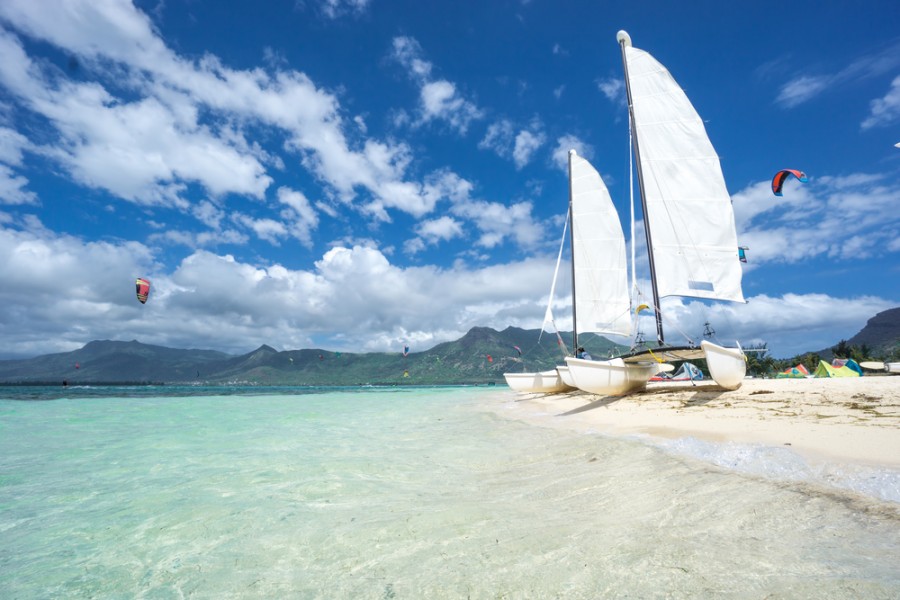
column 688, row 207
column 548, row 315
column 601, row 285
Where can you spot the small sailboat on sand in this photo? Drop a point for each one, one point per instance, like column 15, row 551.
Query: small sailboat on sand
column 550, row 381
column 600, row 301
column 688, row 222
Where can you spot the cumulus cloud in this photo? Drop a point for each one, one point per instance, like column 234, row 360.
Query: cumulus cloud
column 810, row 220
column 217, row 301
column 443, row 228
column 12, row 185
column 886, row 110
column 12, row 188
column 152, row 123
column 501, row 137
column 353, row 298
column 439, row 98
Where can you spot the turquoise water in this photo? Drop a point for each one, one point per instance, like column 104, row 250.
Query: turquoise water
column 399, row 493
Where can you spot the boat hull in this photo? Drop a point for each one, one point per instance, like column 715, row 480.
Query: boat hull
column 727, row 366
column 613, row 377
column 566, row 376
column 544, row 382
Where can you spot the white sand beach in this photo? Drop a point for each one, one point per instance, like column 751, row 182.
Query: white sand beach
column 849, row 420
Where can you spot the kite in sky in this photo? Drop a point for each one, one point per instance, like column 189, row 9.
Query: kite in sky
column 143, row 289
column 782, row 175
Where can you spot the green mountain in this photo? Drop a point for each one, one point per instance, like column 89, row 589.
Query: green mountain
column 881, row 334
column 481, row 356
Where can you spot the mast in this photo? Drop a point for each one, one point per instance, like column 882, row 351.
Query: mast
column 625, row 40
column 572, row 248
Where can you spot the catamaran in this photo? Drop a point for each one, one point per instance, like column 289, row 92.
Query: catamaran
column 688, row 223
column 554, row 380
column 600, row 301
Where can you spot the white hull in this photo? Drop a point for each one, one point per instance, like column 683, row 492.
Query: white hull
column 545, row 382
column 566, row 376
column 893, row 367
column 613, row 377
column 727, row 366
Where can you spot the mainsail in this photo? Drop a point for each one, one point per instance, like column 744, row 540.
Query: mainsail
column 602, row 303
column 687, row 206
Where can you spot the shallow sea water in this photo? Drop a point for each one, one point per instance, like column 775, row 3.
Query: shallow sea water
column 399, row 493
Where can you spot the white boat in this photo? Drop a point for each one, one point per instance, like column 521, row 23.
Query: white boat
column 680, row 181
column 565, row 375
column 544, row 382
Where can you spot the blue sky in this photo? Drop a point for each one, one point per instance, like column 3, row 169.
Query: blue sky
column 360, row 174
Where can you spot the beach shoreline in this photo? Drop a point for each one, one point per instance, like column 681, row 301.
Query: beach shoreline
column 853, row 420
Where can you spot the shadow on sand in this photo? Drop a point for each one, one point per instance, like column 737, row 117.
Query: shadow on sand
column 702, row 394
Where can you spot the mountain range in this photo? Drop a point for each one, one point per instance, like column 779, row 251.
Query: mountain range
column 481, row 356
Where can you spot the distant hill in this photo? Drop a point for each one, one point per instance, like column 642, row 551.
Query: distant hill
column 881, row 333
column 480, row 356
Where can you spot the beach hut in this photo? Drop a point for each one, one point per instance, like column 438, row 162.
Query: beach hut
column 798, row 372
column 826, row 370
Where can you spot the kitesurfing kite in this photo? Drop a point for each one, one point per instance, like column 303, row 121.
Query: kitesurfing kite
column 143, row 289
column 782, row 175
column 519, row 350
column 405, row 350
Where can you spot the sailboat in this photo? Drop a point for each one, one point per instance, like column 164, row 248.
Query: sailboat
column 600, row 301
column 688, row 222
column 553, row 380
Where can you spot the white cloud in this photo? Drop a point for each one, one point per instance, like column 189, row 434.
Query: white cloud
column 789, row 325
column 520, row 147
column 848, row 217
column 527, row 143
column 12, row 188
column 799, row 90
column 443, row 228
column 499, row 137
column 269, row 230
column 334, row 9
column 566, row 143
column 613, row 89
column 803, row 88
column 499, row 222
column 301, row 216
column 439, row 99
column 187, row 121
column 353, row 299
column 886, row 110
